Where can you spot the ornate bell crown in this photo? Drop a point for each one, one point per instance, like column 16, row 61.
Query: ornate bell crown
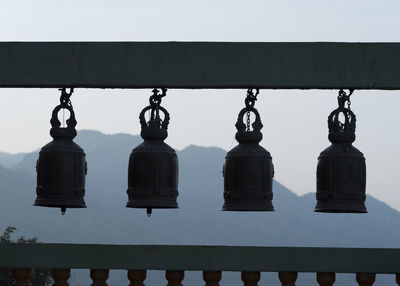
column 244, row 133
column 56, row 131
column 342, row 132
column 155, row 128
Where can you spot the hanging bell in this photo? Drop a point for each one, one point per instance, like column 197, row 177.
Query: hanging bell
column 341, row 174
column 61, row 167
column 248, row 170
column 153, row 165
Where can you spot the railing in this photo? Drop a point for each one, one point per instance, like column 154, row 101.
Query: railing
column 212, row 260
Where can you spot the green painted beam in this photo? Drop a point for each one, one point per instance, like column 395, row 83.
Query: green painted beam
column 225, row 258
column 200, row 65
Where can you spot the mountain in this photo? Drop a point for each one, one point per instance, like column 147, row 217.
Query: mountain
column 199, row 219
column 10, row 160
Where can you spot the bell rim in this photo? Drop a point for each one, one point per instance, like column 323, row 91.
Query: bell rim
column 248, row 206
column 59, row 206
column 341, row 211
column 80, row 203
column 340, row 208
column 151, row 207
column 336, row 211
column 154, row 204
column 247, row 210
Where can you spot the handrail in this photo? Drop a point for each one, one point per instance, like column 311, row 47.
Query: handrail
column 224, row 258
column 318, row 65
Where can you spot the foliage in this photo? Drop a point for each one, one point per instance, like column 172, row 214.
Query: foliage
column 39, row 277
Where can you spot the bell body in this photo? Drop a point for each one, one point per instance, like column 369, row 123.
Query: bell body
column 341, row 180
column 341, row 174
column 153, row 176
column 61, row 171
column 248, row 177
column 248, row 169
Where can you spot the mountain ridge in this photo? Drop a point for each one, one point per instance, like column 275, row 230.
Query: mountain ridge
column 198, row 221
column 200, row 200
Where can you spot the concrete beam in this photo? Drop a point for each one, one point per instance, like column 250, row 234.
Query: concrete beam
column 200, row 65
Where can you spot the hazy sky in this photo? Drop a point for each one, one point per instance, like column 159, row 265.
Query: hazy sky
column 295, row 129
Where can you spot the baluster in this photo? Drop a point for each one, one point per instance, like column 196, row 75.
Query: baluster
column 288, row 278
column 61, row 276
column 174, row 277
column 326, row 278
column 365, row 279
column 212, row 278
column 99, row 277
column 21, row 276
column 250, row 278
column 136, row 277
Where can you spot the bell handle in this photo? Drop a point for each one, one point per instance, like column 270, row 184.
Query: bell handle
column 71, row 121
column 63, row 132
column 144, row 123
column 349, row 117
column 257, row 125
column 342, row 132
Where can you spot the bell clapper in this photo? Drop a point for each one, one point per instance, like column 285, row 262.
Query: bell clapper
column 63, row 210
column 149, row 210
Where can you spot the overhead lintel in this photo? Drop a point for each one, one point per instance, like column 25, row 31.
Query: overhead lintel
column 270, row 65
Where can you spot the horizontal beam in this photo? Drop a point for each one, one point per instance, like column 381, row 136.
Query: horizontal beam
column 200, row 65
column 225, row 258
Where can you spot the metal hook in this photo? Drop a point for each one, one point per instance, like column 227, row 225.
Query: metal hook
column 155, row 99
column 344, row 97
column 343, row 93
column 65, row 96
column 251, row 97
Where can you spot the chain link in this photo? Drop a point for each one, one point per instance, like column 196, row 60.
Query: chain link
column 155, row 102
column 250, row 101
column 248, row 121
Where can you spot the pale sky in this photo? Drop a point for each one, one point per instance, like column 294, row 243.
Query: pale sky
column 295, row 129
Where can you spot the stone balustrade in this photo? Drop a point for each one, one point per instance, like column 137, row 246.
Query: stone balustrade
column 287, row 262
